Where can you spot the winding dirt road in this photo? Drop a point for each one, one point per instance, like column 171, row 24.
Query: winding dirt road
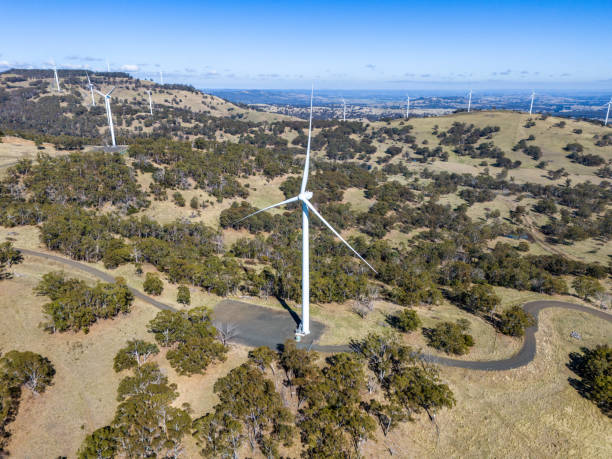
column 260, row 326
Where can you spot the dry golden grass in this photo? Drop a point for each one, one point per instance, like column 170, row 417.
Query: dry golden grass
column 531, row 405
column 527, row 412
column 83, row 393
column 12, row 149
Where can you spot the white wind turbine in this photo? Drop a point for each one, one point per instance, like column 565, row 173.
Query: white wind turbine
column 470, row 101
column 91, row 88
column 161, row 77
column 109, row 114
column 608, row 112
column 532, row 98
column 407, row 107
column 107, row 66
column 56, row 77
column 304, row 197
column 150, row 103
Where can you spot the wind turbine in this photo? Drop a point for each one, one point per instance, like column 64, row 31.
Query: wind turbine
column 161, row 77
column 91, row 88
column 531, row 106
column 56, row 77
column 470, row 101
column 107, row 66
column 307, row 207
column 109, row 114
column 608, row 112
column 343, row 109
column 407, row 107
column 150, row 103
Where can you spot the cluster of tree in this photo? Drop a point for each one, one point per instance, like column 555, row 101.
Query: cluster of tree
column 533, row 151
column 84, row 179
column 214, row 170
column 18, row 370
column 594, row 367
column 145, row 423
column 586, row 159
column 568, row 229
column 191, row 339
column 249, row 408
column 76, row 306
column 409, row 384
column 9, row 256
column 460, row 134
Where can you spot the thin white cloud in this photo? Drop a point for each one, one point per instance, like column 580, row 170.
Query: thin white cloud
column 130, row 68
column 370, row 66
column 5, row 64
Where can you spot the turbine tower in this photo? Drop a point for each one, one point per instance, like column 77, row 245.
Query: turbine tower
column 470, row 101
column 304, row 198
column 56, row 77
column 343, row 110
column 109, row 114
column 91, row 88
column 608, row 112
column 161, row 77
column 107, row 66
column 150, row 103
column 407, row 107
column 531, row 106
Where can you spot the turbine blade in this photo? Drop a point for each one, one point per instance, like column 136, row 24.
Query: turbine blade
column 286, row 201
column 316, row 212
column 101, row 93
column 111, row 91
column 307, row 163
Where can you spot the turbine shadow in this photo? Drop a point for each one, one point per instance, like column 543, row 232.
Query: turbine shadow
column 294, row 314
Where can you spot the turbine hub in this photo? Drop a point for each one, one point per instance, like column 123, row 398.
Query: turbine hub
column 305, row 196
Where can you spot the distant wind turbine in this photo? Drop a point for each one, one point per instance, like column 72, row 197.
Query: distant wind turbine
column 56, row 77
column 150, row 103
column 343, row 110
column 407, row 107
column 109, row 114
column 304, row 198
column 608, row 112
column 91, row 88
column 161, row 77
column 107, row 66
column 470, row 101
column 532, row 98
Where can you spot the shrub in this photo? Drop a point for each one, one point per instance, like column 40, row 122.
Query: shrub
column 153, row 285
column 450, row 337
column 179, row 199
column 183, row 296
column 406, row 320
column 514, row 320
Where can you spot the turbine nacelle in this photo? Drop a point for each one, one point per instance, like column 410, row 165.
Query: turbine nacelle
column 305, row 196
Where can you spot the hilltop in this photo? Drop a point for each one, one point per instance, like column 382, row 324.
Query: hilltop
column 31, row 103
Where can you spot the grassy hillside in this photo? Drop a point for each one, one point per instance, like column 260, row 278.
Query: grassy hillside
column 445, row 208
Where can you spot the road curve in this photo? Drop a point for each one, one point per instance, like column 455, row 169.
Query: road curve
column 97, row 273
column 528, row 351
column 261, row 327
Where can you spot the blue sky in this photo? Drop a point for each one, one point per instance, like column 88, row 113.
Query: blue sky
column 384, row 44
